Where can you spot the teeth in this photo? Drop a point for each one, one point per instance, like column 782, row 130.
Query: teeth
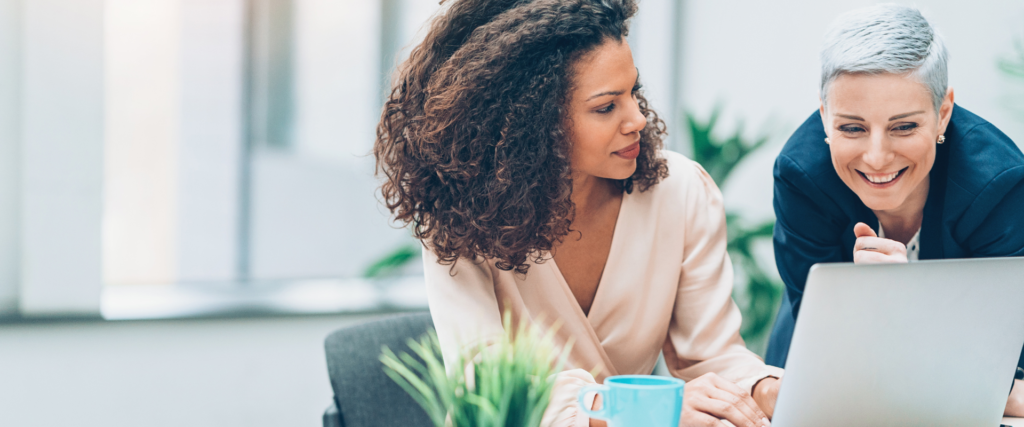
column 882, row 179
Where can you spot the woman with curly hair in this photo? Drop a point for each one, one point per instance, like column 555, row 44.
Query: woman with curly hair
column 517, row 145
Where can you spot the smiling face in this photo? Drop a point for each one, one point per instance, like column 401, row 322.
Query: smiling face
column 883, row 130
column 605, row 120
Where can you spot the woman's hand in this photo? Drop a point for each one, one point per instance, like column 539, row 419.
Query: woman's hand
column 766, row 392
column 1015, row 404
column 709, row 399
column 871, row 249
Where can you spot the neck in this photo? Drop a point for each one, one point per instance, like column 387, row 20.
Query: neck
column 903, row 222
column 590, row 193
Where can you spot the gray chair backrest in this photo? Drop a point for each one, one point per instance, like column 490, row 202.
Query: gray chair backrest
column 363, row 394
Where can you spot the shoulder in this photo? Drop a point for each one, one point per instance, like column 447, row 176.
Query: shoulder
column 805, row 165
column 680, row 167
column 806, row 183
column 688, row 196
column 686, row 179
column 805, row 152
column 980, row 155
column 984, row 183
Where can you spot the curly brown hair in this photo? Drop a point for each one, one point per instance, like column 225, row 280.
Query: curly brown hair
column 474, row 140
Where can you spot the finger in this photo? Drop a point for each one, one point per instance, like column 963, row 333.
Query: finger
column 748, row 409
column 742, row 393
column 745, row 401
column 863, row 230
column 878, row 244
column 872, row 257
column 712, row 393
column 723, row 410
column 700, row 419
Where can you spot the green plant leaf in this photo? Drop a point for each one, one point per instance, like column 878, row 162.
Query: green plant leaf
column 510, row 385
column 1014, row 66
column 392, row 261
column 420, row 391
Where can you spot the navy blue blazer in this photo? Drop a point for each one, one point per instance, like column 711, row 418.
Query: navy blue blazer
column 975, row 208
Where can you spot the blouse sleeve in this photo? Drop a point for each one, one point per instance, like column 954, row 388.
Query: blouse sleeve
column 462, row 304
column 465, row 312
column 704, row 334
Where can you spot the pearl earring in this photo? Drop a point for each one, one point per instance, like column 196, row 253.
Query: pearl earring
column 829, row 141
column 942, row 138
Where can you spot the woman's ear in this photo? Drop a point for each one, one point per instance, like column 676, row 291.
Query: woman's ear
column 945, row 111
column 824, row 120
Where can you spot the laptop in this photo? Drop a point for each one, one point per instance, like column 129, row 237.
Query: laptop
column 931, row 343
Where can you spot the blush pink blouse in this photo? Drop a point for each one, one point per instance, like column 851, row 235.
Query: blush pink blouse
column 666, row 287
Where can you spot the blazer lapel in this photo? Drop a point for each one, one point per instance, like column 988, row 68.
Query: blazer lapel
column 932, row 243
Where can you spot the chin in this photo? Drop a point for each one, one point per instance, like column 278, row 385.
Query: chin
column 877, row 203
column 623, row 173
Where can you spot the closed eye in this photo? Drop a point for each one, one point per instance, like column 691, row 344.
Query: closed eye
column 904, row 128
column 607, row 109
column 851, row 129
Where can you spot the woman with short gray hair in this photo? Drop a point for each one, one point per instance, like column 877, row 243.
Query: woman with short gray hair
column 889, row 169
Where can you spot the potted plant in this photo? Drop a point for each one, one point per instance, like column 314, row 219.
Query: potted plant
column 506, row 383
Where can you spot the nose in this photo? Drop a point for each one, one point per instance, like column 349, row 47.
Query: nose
column 635, row 121
column 879, row 152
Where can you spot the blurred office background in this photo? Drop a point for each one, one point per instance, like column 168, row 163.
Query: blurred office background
column 187, row 200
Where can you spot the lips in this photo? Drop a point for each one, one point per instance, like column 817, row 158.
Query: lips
column 631, row 152
column 882, row 180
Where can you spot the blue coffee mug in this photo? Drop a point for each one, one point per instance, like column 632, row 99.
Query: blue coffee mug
column 637, row 400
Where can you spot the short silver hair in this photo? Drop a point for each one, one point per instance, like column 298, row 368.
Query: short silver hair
column 885, row 38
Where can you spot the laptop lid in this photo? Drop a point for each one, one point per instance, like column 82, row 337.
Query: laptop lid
column 931, row 343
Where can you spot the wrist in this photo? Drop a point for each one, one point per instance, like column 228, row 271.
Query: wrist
column 763, row 384
column 764, row 393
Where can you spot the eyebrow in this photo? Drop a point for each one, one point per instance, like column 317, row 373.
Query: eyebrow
column 612, row 92
column 896, row 117
column 616, row 92
column 904, row 115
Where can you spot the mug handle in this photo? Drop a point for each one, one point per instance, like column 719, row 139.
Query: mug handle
column 601, row 390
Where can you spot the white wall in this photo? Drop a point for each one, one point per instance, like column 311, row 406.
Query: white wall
column 143, row 95
column 335, row 88
column 315, row 209
column 174, row 140
column 317, row 218
column 10, row 67
column 760, row 61
column 210, row 148
column 268, row 372
column 655, row 53
column 61, row 156
column 176, row 72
